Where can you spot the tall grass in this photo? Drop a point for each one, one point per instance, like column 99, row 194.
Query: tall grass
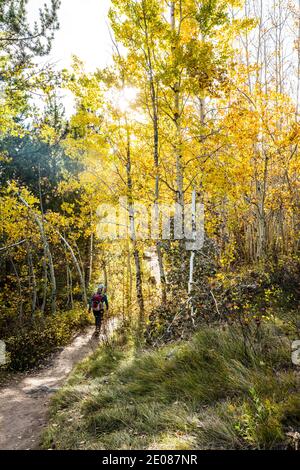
column 210, row 392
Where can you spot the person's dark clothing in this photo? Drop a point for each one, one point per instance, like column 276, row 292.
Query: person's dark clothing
column 98, row 318
column 98, row 314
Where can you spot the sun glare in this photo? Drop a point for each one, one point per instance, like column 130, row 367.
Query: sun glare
column 126, row 98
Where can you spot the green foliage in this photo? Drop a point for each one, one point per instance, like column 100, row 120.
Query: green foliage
column 21, row 40
column 31, row 161
column 260, row 422
column 254, row 422
column 211, row 13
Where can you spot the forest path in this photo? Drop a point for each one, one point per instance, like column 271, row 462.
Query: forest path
column 24, row 402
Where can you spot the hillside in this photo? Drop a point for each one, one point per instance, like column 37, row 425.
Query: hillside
column 206, row 393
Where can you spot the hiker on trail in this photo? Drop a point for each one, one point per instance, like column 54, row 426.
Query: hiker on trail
column 96, row 304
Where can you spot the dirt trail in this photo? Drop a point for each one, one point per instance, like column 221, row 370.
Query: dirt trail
column 24, row 401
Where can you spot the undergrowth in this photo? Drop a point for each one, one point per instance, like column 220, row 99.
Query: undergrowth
column 29, row 345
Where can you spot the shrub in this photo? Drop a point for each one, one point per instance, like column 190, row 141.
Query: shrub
column 28, row 346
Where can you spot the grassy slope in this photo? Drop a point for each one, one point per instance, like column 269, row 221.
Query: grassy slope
column 205, row 393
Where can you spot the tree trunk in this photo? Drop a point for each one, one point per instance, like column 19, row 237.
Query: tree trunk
column 261, row 188
column 80, row 272
column 45, row 284
column 177, row 122
column 154, row 102
column 139, row 288
column 192, row 257
column 105, row 277
column 70, row 287
column 138, row 270
column 45, row 268
column 32, row 282
column 81, row 263
column 21, row 302
column 129, row 281
column 89, row 279
column 47, row 252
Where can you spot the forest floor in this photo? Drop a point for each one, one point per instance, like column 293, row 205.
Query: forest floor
column 24, row 400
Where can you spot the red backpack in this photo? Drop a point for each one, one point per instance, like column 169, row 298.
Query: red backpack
column 97, row 302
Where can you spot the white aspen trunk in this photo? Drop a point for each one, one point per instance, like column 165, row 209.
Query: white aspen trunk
column 45, row 268
column 45, row 285
column 32, row 282
column 21, row 302
column 47, row 252
column 80, row 273
column 83, row 273
column 177, row 121
column 129, row 281
column 247, row 51
column 154, row 102
column 70, row 287
column 138, row 270
column 261, row 188
column 192, row 257
column 258, row 49
column 105, row 277
column 90, row 260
